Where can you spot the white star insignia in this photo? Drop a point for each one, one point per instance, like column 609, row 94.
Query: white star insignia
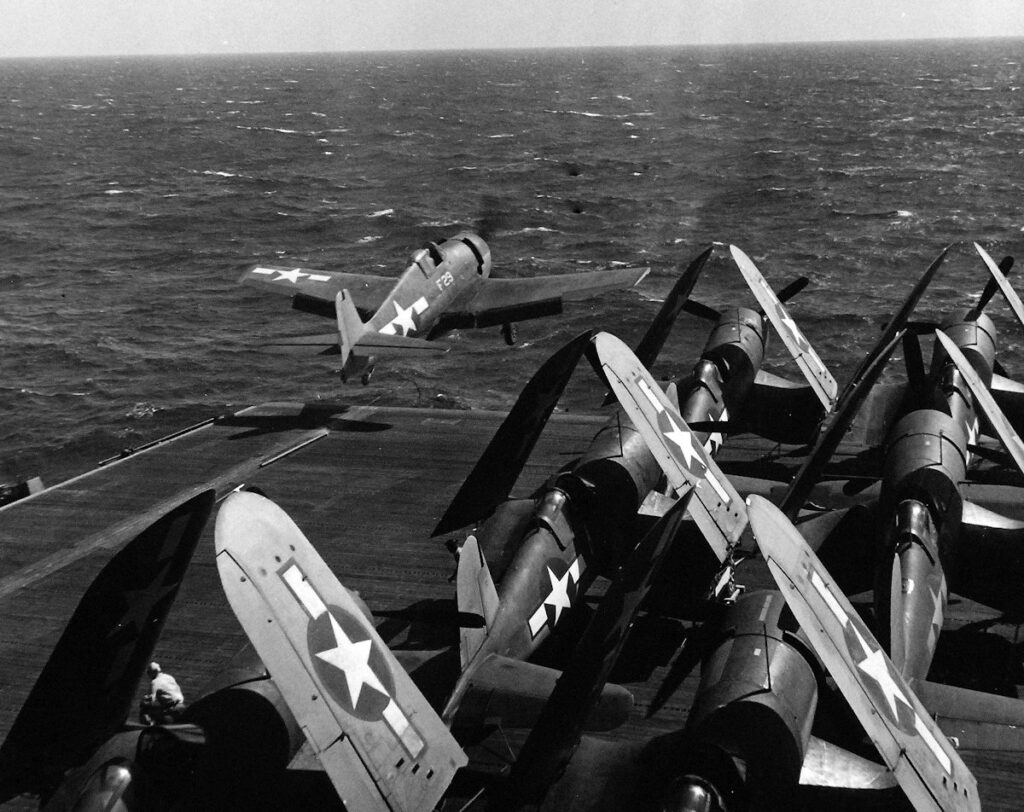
column 683, row 440
column 404, row 319
column 559, row 597
column 293, row 276
column 876, row 668
column 353, row 659
column 795, row 332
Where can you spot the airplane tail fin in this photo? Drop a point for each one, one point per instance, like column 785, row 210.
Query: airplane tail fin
column 350, row 329
column 87, row 688
column 477, row 599
column 382, row 745
column 354, row 333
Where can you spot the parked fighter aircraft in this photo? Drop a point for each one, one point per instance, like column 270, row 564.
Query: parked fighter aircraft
column 748, row 735
column 929, row 540
column 924, row 762
column 546, row 552
column 747, row 741
column 447, row 286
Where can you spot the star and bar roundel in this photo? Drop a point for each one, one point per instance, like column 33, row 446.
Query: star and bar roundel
column 350, row 666
column 404, row 321
column 690, row 453
column 560, row 589
column 877, row 675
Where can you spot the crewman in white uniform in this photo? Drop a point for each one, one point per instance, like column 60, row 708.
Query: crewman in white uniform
column 164, row 703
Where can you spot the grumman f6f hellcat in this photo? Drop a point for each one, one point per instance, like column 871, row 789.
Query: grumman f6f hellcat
column 447, row 286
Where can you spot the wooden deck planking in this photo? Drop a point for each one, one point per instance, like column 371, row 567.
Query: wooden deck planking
column 368, row 501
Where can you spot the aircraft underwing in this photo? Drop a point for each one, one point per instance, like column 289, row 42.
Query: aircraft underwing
column 378, row 739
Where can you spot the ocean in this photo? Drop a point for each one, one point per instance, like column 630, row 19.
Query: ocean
column 134, row 192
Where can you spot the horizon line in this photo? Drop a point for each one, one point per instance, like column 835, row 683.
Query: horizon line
column 515, row 48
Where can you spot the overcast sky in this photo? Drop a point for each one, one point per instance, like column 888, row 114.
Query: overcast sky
column 88, row 27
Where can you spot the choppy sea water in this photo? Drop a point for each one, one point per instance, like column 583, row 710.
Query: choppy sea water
column 133, row 192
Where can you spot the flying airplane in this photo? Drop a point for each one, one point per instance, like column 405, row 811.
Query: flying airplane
column 447, row 286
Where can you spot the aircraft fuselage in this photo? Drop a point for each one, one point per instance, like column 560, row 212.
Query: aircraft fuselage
column 583, row 519
column 750, row 724
column 438, row 278
column 921, row 507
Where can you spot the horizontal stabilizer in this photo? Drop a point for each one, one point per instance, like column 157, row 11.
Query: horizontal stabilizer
column 379, row 344
column 379, row 740
column 978, row 516
column 383, row 344
column 324, row 343
column 974, row 720
column 515, row 692
column 828, row 765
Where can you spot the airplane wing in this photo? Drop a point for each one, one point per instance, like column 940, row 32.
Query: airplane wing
column 378, row 739
column 368, row 290
column 491, row 480
column 717, row 509
column 803, row 353
column 927, row 767
column 654, row 339
column 498, row 301
column 987, row 404
column 1012, row 299
column 88, row 687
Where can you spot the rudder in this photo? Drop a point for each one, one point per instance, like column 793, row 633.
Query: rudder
column 477, row 599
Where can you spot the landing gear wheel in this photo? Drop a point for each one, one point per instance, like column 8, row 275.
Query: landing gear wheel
column 367, row 375
column 510, row 333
